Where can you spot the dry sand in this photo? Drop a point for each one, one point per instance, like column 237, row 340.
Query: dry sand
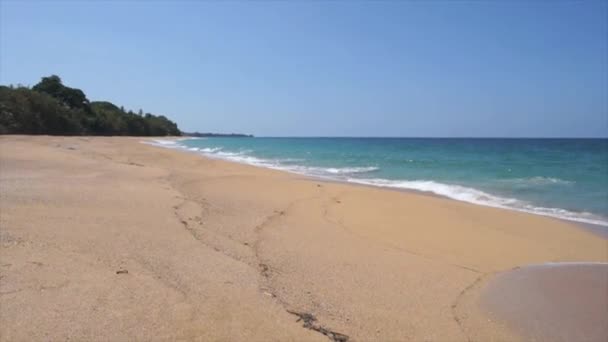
column 221, row 251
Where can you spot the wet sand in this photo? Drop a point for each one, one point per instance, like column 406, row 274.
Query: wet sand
column 552, row 302
column 112, row 239
column 600, row 231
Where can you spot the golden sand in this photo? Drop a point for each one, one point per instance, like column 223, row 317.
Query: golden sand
column 221, row 251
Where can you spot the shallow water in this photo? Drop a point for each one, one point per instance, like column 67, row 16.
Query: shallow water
column 563, row 178
column 552, row 302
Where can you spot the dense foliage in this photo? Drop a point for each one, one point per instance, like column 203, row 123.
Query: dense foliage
column 52, row 108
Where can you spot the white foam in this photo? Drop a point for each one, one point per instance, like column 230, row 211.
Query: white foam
column 475, row 196
column 210, row 149
column 169, row 143
column 159, row 142
column 278, row 164
column 349, row 170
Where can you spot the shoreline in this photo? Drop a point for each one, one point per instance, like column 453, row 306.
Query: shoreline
column 199, row 248
column 552, row 301
column 595, row 228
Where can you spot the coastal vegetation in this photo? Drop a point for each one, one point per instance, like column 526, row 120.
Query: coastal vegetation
column 52, row 108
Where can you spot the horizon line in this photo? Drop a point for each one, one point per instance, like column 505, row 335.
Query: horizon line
column 422, row 137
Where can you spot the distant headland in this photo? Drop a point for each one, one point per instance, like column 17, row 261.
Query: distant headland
column 217, row 135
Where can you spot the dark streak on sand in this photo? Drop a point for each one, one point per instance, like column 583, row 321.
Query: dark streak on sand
column 309, row 321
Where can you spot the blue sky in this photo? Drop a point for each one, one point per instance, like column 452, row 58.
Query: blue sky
column 314, row 68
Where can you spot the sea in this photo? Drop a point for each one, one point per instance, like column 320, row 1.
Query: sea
column 561, row 178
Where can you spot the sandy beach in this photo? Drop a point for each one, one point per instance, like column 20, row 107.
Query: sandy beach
column 111, row 239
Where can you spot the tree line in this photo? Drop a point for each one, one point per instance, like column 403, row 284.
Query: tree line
column 52, row 108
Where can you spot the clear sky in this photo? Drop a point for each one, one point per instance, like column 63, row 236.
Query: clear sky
column 315, row 68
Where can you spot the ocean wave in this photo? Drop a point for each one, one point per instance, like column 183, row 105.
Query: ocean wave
column 159, row 142
column 285, row 164
column 330, row 172
column 226, row 154
column 210, row 149
column 350, row 170
column 470, row 195
column 170, row 143
column 535, row 181
column 292, row 160
column 238, row 157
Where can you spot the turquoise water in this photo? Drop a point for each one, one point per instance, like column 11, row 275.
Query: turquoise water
column 564, row 178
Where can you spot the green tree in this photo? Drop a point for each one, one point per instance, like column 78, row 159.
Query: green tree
column 71, row 97
column 29, row 112
column 53, row 108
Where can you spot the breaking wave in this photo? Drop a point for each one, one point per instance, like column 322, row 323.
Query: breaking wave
column 479, row 197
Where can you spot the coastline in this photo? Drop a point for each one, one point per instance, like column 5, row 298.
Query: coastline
column 233, row 251
column 594, row 228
